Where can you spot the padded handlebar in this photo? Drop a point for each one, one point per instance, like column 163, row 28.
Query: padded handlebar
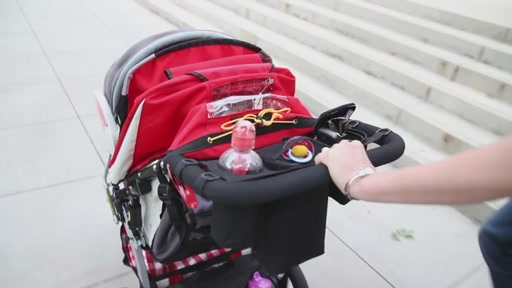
column 269, row 189
column 392, row 146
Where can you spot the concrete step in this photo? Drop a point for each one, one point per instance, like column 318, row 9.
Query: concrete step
column 493, row 81
column 178, row 16
column 441, row 129
column 479, row 48
column 316, row 94
column 454, row 17
column 446, row 17
column 418, row 81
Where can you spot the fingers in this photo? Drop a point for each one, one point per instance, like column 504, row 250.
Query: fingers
column 320, row 157
column 343, row 147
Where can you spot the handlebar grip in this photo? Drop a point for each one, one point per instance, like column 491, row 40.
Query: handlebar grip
column 263, row 190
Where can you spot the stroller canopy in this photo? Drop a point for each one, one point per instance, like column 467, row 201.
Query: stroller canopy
column 145, row 88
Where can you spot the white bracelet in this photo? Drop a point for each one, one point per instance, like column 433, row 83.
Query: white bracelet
column 361, row 173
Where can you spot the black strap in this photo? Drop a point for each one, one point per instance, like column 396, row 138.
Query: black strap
column 134, row 221
column 377, row 136
column 205, row 178
column 142, row 187
column 198, row 75
column 182, row 165
column 119, row 198
column 202, row 142
column 159, row 173
column 171, row 198
column 354, row 134
column 168, row 74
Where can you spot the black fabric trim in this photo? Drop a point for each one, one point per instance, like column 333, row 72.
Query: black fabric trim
column 168, row 74
column 184, row 163
column 272, row 68
column 198, row 75
column 265, row 58
column 202, row 142
column 146, row 172
column 204, row 42
column 121, row 111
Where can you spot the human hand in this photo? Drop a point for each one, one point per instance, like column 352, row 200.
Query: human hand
column 343, row 160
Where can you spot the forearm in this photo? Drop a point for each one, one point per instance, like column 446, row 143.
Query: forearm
column 470, row 177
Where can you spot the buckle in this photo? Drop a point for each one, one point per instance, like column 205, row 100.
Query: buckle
column 387, row 131
column 133, row 215
column 165, row 193
column 209, row 176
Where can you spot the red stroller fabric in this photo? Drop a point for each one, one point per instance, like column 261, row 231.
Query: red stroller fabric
column 161, row 110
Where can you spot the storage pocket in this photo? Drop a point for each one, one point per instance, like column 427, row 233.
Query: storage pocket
column 234, row 226
column 283, row 233
column 176, row 239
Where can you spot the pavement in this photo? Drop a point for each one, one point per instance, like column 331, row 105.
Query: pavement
column 56, row 226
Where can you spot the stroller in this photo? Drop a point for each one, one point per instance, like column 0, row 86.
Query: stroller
column 168, row 108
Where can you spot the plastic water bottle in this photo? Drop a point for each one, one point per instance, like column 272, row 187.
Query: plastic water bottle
column 241, row 159
column 259, row 282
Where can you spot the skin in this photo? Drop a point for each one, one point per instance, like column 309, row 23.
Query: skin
column 473, row 176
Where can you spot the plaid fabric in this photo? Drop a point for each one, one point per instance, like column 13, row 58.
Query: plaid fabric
column 156, row 268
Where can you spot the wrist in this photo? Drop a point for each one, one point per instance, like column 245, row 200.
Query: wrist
column 352, row 188
column 357, row 188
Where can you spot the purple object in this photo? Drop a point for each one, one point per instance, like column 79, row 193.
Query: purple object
column 259, row 282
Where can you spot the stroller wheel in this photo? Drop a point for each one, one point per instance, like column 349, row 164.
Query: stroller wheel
column 295, row 277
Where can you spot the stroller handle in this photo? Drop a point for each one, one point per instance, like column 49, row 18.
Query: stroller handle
column 253, row 192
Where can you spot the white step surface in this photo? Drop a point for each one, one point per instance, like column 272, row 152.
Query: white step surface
column 424, row 84
column 485, row 50
column 180, row 17
column 449, row 17
column 493, row 81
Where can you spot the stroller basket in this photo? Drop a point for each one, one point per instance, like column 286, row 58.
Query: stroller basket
column 168, row 107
